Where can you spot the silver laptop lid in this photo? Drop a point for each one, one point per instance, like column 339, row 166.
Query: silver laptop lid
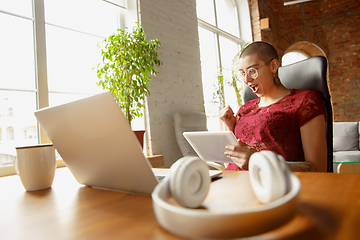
column 97, row 144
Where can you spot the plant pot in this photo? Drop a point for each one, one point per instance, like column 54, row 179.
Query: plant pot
column 140, row 136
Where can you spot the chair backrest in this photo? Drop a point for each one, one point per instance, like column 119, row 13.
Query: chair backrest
column 191, row 122
column 188, row 122
column 308, row 74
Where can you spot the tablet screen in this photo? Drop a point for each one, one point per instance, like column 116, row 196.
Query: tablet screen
column 210, row 146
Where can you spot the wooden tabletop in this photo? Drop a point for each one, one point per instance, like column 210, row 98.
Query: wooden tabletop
column 329, row 209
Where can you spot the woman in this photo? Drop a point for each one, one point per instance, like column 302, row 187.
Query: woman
column 290, row 122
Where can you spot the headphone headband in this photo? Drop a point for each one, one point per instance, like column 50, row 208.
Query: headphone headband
column 204, row 223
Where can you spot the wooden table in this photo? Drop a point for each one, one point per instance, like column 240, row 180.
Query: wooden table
column 330, row 209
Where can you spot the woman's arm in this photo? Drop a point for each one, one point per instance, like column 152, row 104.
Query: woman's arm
column 313, row 138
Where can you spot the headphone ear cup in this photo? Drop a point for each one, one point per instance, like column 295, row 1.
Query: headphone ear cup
column 189, row 181
column 268, row 176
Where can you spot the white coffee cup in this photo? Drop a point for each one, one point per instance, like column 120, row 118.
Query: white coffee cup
column 36, row 166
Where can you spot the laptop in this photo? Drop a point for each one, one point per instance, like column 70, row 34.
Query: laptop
column 97, row 144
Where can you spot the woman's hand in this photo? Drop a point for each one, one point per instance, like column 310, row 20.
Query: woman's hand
column 227, row 116
column 240, row 154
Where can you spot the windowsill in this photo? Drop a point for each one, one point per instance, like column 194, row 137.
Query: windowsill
column 156, row 161
column 8, row 171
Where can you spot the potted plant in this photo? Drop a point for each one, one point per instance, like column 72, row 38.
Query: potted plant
column 128, row 61
column 219, row 96
column 234, row 83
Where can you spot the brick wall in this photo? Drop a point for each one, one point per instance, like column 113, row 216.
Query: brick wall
column 255, row 19
column 333, row 26
column 178, row 85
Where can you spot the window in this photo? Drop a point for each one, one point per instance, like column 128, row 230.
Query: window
column 10, row 112
column 293, row 57
column 48, row 52
column 71, row 45
column 6, row 159
column 220, row 40
column 10, row 134
column 30, row 132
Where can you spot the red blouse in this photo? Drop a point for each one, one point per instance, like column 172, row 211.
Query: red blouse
column 277, row 127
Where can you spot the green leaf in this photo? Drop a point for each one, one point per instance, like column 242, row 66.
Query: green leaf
column 127, row 61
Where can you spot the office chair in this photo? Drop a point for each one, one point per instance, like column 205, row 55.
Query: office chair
column 190, row 122
column 308, row 74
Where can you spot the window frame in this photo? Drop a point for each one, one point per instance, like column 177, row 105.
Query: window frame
column 294, row 59
column 40, row 60
column 217, row 31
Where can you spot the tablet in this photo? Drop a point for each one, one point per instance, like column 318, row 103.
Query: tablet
column 210, row 146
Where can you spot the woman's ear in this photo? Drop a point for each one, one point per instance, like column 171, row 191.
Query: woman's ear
column 274, row 65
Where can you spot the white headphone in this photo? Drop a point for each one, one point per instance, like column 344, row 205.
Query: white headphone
column 188, row 183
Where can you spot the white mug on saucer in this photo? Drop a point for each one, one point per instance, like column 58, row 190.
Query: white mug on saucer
column 36, row 166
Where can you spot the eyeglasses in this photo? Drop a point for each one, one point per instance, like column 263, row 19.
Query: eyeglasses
column 251, row 72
